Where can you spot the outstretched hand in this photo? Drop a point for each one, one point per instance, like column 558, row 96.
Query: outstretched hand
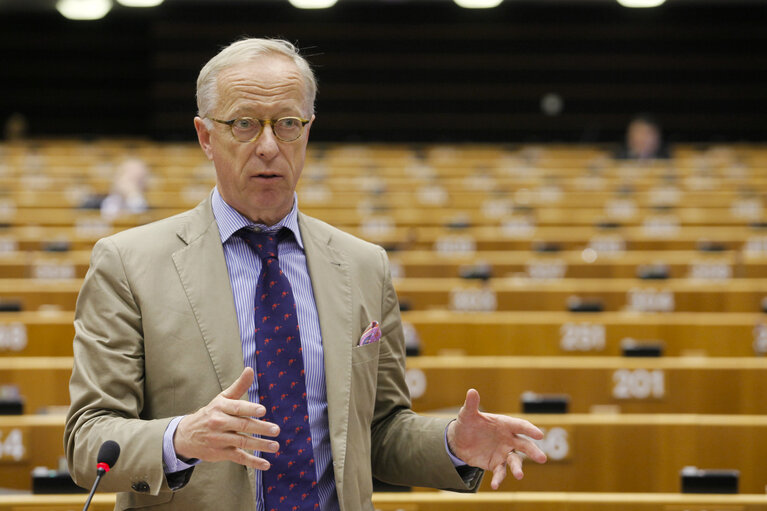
column 224, row 429
column 491, row 441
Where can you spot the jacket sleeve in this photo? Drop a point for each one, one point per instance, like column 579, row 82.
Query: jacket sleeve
column 407, row 449
column 107, row 383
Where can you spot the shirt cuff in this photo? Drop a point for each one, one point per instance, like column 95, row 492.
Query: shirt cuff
column 457, row 462
column 170, row 459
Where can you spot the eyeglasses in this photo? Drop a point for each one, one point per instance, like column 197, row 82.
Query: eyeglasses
column 248, row 129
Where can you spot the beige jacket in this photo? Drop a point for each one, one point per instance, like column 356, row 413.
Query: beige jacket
column 157, row 337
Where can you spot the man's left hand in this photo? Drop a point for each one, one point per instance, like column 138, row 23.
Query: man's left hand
column 491, row 441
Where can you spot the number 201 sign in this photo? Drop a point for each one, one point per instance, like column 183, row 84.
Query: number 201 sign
column 639, row 384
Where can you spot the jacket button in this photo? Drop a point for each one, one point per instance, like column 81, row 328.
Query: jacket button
column 141, row 487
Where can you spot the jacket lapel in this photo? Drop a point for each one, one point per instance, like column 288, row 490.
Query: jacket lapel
column 202, row 269
column 331, row 283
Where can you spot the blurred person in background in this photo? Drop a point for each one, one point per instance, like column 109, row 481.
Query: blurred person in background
column 644, row 140
column 128, row 189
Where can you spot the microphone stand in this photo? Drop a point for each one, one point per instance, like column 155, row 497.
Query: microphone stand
column 100, row 471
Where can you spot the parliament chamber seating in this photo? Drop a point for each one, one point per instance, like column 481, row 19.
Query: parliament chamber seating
column 503, row 501
column 587, row 452
column 524, row 270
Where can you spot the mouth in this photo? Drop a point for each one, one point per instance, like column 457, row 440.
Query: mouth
column 267, row 175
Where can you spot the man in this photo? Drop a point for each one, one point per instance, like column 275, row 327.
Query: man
column 167, row 340
column 644, row 140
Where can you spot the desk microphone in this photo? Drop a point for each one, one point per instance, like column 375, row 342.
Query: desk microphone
column 108, row 454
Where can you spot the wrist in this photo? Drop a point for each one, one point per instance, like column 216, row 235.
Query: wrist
column 451, row 437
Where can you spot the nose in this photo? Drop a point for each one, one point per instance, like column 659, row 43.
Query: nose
column 267, row 145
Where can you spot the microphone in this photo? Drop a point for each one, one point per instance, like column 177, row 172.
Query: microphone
column 107, row 457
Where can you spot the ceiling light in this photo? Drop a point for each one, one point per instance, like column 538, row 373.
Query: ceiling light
column 84, row 9
column 641, row 3
column 478, row 4
column 312, row 4
column 140, row 3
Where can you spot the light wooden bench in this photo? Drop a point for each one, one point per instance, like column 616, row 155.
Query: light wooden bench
column 510, row 294
column 589, row 453
column 577, row 264
column 497, row 501
column 34, row 294
column 649, row 385
column 510, row 333
column 428, row 264
column 734, row 295
column 36, row 333
column 632, row 385
column 552, row 333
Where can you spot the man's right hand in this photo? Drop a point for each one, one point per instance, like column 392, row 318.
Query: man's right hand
column 223, row 430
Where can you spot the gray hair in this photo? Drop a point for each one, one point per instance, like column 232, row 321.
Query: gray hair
column 242, row 51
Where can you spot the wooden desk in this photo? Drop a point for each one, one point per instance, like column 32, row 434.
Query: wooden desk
column 633, row 385
column 576, row 264
column 552, row 333
column 516, row 236
column 519, row 234
column 686, row 295
column 734, row 295
column 431, row 264
column 36, row 333
column 510, row 333
column 485, row 501
column 100, row 502
column 36, row 293
column 29, row 441
column 410, row 216
column 564, row 501
column 648, row 385
column 611, row 453
column 44, row 265
column 42, row 381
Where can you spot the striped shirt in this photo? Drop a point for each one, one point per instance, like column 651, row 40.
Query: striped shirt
column 244, row 267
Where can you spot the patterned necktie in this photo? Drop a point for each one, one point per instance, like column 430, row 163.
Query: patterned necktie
column 290, row 483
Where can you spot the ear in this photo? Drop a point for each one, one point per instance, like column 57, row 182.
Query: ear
column 309, row 125
column 203, row 136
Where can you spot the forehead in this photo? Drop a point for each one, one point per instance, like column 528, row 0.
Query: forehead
column 269, row 81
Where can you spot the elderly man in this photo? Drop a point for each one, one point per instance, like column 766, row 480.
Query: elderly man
column 246, row 356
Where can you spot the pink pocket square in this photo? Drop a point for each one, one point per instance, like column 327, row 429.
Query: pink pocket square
column 371, row 334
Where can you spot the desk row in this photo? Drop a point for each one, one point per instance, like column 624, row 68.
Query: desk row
column 531, row 333
column 584, row 384
column 513, row 235
column 589, row 453
column 320, row 192
column 588, row 263
column 580, row 295
column 498, row 213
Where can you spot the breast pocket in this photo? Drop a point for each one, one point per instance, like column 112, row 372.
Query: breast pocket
column 363, row 384
column 365, row 353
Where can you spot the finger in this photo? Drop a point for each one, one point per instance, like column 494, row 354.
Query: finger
column 240, row 385
column 249, row 460
column 240, row 407
column 255, row 427
column 499, row 474
column 220, row 446
column 524, row 427
column 530, row 449
column 252, row 443
column 514, row 460
column 471, row 405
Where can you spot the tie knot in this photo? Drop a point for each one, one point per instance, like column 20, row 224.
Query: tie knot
column 263, row 243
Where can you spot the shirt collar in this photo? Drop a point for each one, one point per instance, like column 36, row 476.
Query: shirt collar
column 230, row 220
